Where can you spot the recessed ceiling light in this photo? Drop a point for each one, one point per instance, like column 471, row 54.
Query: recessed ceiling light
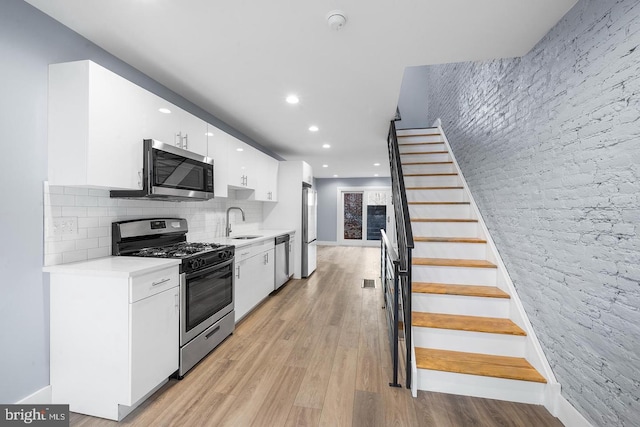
column 335, row 175
column 325, row 166
column 375, row 174
column 313, row 128
column 326, row 145
column 239, row 149
column 376, row 164
column 293, row 99
column 209, row 134
column 164, row 110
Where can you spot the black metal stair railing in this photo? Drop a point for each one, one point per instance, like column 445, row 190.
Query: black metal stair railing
column 396, row 267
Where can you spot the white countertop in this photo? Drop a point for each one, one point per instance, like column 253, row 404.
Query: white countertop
column 263, row 235
column 113, row 266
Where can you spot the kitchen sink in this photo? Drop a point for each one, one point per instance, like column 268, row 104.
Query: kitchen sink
column 244, row 237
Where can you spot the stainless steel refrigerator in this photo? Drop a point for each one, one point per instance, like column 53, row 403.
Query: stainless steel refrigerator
column 309, row 229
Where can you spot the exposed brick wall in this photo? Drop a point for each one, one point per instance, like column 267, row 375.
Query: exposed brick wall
column 550, row 146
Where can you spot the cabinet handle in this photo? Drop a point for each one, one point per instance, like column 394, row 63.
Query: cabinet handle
column 177, row 302
column 238, row 272
column 140, row 178
column 185, row 140
column 160, row 282
column 178, row 140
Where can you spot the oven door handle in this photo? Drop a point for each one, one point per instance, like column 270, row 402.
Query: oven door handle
column 208, row 269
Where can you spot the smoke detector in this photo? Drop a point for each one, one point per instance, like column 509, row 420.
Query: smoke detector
column 336, row 19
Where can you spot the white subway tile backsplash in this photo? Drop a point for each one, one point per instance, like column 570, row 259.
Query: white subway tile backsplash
column 95, row 211
column 78, row 191
column 74, row 256
column 98, row 232
column 86, row 201
column 62, row 200
column 87, row 243
column 99, row 252
column 74, row 211
column 88, row 222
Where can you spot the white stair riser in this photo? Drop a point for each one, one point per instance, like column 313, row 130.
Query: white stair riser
column 431, row 157
column 469, row 342
column 419, row 148
column 432, row 181
column 440, row 211
column 450, row 195
column 445, row 229
column 435, row 168
column 454, row 275
column 450, row 250
column 418, row 136
column 460, row 304
column 479, row 386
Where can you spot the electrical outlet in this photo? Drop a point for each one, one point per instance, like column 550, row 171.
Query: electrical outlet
column 65, row 226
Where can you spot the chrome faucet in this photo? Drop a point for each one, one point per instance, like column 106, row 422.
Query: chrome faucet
column 228, row 229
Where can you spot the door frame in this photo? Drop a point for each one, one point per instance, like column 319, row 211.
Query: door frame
column 340, row 240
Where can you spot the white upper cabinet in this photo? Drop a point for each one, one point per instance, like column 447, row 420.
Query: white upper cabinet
column 242, row 161
column 267, row 185
column 97, row 122
column 176, row 127
column 95, row 131
column 218, row 149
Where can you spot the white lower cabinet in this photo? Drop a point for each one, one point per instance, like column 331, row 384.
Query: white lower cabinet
column 114, row 340
column 255, row 274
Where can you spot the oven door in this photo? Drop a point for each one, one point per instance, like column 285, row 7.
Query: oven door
column 205, row 297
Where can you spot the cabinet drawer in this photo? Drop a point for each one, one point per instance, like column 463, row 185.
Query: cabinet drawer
column 153, row 283
column 254, row 249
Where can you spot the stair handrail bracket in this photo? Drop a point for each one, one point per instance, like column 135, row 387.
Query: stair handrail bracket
column 396, row 267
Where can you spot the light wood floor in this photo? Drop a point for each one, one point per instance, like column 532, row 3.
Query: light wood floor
column 314, row 354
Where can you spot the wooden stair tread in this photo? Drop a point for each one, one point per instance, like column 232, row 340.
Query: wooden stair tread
column 424, row 152
column 449, row 240
column 461, row 290
column 449, row 262
column 513, row 368
column 439, row 203
column 418, row 134
column 431, row 174
column 443, row 220
column 407, row 144
column 434, row 188
column 491, row 325
column 427, row 163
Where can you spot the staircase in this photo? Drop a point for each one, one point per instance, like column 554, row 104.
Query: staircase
column 470, row 334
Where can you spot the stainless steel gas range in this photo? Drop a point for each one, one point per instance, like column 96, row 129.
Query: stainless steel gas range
column 206, row 280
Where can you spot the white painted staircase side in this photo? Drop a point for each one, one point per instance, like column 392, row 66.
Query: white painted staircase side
column 449, row 233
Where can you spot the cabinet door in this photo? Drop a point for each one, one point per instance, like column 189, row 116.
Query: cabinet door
column 218, row 148
column 266, row 170
column 154, row 341
column 265, row 282
column 241, row 162
column 163, row 126
column 194, row 134
column 243, row 300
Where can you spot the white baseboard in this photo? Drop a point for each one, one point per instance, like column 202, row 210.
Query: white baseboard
column 40, row 397
column 563, row 410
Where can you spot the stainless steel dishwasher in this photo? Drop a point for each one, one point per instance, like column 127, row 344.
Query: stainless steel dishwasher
column 282, row 260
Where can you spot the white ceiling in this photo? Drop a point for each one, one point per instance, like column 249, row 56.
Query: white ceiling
column 239, row 59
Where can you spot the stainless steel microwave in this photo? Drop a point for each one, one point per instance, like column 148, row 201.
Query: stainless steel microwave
column 172, row 173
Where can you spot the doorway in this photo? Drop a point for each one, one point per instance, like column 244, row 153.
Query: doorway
column 362, row 212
